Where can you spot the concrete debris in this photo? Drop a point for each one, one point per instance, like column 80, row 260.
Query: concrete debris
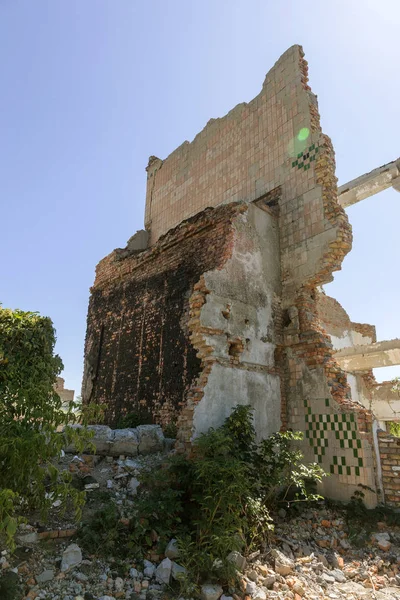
column 294, row 566
column 211, row 591
column 72, row 557
column 172, row 550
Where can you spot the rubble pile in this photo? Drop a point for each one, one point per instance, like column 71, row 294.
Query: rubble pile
column 313, row 554
column 310, row 556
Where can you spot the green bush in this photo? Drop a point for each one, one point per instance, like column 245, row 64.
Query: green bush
column 30, row 413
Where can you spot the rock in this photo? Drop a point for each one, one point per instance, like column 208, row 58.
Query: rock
column 172, row 550
column 283, row 564
column 151, row 439
column 178, row 573
column 125, row 441
column 90, row 483
column 102, row 438
column 259, row 594
column 328, row 578
column 132, row 486
column 223, row 597
column 238, row 560
column 47, row 575
column 282, row 513
column 299, row 589
column 382, row 540
column 269, row 581
column 210, row 591
column 133, row 573
column 27, row 538
column 251, row 588
column 338, row 575
column 149, row 569
column 119, row 584
column 72, row 557
column 163, row 571
column 253, row 575
column 107, row 598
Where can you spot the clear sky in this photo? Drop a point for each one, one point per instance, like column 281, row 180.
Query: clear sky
column 91, row 88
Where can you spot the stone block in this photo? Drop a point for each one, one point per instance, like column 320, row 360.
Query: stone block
column 125, row 441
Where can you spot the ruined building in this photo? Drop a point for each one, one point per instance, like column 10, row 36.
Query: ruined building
column 219, row 301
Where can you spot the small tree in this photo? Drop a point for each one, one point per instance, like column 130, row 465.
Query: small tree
column 30, row 413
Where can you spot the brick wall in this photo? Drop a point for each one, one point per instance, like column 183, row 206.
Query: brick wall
column 138, row 356
column 389, row 448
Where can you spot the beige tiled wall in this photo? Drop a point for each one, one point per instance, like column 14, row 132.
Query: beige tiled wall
column 240, row 156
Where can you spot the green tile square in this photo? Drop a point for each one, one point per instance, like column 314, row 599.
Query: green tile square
column 341, row 443
column 343, row 460
column 300, row 154
column 359, row 444
column 352, row 417
column 316, row 149
column 354, row 435
column 340, row 469
column 294, row 163
column 320, row 459
column 305, row 403
column 311, row 147
column 328, row 418
column 307, row 167
column 351, row 444
column 355, row 453
column 345, row 435
column 360, row 462
column 337, row 435
column 336, row 418
column 335, row 461
column 340, row 425
column 357, row 469
column 325, row 426
column 332, row 469
column 300, row 165
column 326, row 401
column 348, row 470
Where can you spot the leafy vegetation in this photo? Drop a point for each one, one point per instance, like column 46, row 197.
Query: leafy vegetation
column 214, row 501
column 30, row 414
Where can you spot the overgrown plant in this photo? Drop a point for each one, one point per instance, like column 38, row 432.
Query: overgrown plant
column 30, row 414
column 216, row 500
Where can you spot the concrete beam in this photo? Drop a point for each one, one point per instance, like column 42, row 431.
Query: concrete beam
column 369, row 184
column 370, row 356
column 385, row 403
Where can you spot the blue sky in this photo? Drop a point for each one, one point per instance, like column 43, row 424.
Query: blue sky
column 91, row 88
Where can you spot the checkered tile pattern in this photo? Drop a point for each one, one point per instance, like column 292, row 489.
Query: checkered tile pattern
column 305, row 158
column 320, row 428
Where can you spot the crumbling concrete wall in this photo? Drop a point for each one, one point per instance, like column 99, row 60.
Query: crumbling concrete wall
column 233, row 328
column 223, row 308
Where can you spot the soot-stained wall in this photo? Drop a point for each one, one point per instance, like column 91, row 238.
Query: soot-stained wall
column 138, row 356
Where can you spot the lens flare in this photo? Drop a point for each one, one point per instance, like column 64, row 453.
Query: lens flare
column 303, row 134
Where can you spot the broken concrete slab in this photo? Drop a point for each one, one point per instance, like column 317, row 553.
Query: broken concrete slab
column 369, row 356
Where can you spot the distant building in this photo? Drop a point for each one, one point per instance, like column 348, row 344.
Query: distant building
column 67, row 396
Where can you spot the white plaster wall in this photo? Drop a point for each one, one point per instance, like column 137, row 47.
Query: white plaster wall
column 244, row 291
column 350, row 338
column 227, row 387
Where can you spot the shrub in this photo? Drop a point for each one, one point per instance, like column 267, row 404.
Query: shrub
column 30, row 413
column 216, row 500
